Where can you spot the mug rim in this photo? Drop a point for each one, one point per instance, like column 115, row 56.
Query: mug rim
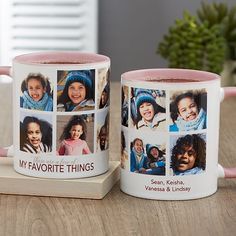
column 157, row 75
column 61, row 58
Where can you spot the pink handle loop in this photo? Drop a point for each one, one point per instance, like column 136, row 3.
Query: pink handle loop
column 229, row 92
column 230, row 172
column 3, row 152
column 5, row 70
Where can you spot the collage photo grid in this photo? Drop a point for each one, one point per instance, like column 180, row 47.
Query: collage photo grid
column 74, row 104
column 163, row 131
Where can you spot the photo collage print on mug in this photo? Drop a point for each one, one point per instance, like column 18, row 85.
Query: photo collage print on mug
column 163, row 131
column 67, row 115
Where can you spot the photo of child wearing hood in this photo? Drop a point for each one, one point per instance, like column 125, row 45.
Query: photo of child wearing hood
column 156, row 160
column 188, row 111
column 146, row 113
column 189, row 154
column 36, row 93
column 138, row 159
column 77, row 90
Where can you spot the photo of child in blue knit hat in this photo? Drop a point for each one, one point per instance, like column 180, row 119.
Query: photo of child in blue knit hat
column 75, row 90
column 36, row 93
column 146, row 113
column 188, row 110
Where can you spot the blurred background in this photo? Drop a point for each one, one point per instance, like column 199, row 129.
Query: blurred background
column 127, row 31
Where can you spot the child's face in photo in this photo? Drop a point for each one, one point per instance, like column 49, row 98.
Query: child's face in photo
column 35, row 89
column 188, row 109
column 186, row 158
column 103, row 137
column 104, row 98
column 146, row 110
column 77, row 92
column 126, row 91
column 34, row 134
column 154, row 152
column 76, row 131
column 138, row 146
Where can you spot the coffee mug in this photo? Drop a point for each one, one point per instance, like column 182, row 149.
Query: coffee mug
column 170, row 132
column 60, row 113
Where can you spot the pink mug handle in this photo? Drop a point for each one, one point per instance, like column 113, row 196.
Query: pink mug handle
column 5, row 70
column 224, row 172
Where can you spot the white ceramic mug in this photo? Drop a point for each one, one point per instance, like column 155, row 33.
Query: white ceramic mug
column 60, row 113
column 170, row 132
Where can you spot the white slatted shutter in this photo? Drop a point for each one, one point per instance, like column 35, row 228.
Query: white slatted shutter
column 41, row 25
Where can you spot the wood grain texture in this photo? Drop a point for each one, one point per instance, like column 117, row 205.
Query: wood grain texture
column 121, row 214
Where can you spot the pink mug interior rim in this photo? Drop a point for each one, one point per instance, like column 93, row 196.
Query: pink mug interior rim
column 158, row 75
column 65, row 57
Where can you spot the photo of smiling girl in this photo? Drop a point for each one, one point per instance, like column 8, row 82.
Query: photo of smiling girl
column 146, row 113
column 75, row 135
column 75, row 90
column 36, row 93
column 188, row 111
column 35, row 134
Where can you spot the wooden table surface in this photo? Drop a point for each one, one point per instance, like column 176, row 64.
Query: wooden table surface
column 118, row 213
